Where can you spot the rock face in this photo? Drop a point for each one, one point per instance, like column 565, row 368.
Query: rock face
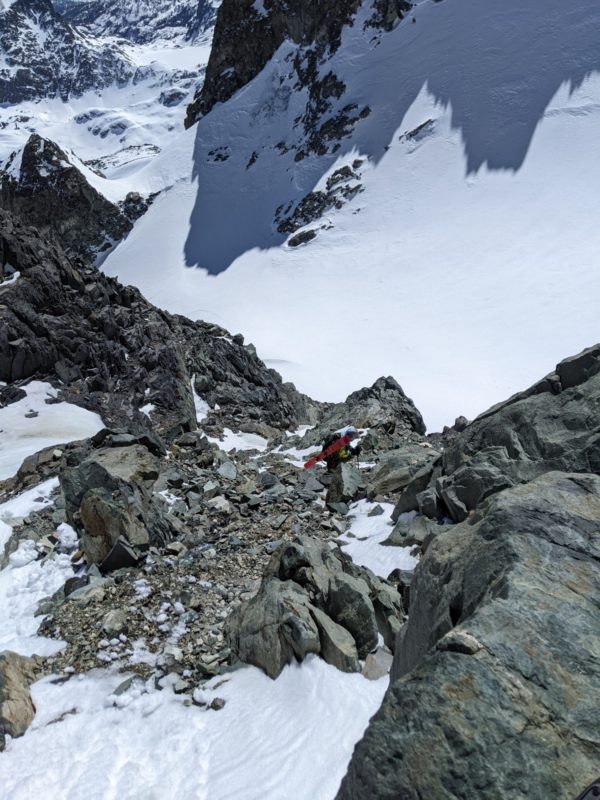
column 44, row 56
column 17, row 711
column 495, row 675
column 554, row 425
column 390, row 416
column 248, row 34
column 118, row 355
column 314, row 600
column 41, row 185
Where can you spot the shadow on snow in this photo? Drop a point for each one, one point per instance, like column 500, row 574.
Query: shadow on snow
column 497, row 65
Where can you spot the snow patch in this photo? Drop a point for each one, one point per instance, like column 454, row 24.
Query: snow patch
column 239, row 441
column 31, row 424
column 292, row 737
column 364, row 545
column 201, row 406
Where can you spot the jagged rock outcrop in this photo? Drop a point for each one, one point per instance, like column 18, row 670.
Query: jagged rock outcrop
column 495, row 675
column 391, row 417
column 119, row 356
column 554, row 425
column 44, row 56
column 248, row 33
column 41, row 185
column 313, row 599
column 17, row 711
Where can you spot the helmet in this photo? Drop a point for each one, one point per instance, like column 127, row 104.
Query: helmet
column 350, row 431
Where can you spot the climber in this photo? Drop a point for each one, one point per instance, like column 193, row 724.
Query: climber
column 336, row 449
column 343, row 453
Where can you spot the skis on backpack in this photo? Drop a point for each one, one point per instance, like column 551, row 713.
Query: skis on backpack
column 333, row 448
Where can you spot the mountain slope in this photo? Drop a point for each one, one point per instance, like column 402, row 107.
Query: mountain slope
column 141, row 21
column 421, row 168
column 43, row 56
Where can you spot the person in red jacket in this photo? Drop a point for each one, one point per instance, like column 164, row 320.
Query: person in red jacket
column 345, row 453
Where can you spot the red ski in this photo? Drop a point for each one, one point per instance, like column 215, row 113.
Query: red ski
column 333, row 448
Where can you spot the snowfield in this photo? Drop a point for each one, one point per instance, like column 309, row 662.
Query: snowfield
column 468, row 265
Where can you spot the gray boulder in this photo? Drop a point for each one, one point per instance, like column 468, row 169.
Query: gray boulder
column 348, row 484
column 496, row 674
column 418, row 531
column 397, row 468
column 348, row 603
column 554, row 425
column 108, row 498
column 17, row 711
column 338, row 647
column 418, row 484
column 314, row 600
column 274, row 627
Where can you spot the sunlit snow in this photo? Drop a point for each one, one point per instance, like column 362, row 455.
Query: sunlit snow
column 32, row 424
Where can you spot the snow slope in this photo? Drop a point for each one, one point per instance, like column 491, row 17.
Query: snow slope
column 468, row 265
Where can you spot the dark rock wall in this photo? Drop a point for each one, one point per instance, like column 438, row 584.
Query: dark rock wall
column 115, row 353
column 55, row 197
column 246, row 38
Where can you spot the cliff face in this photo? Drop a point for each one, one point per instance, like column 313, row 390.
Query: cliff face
column 248, row 33
column 41, row 185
